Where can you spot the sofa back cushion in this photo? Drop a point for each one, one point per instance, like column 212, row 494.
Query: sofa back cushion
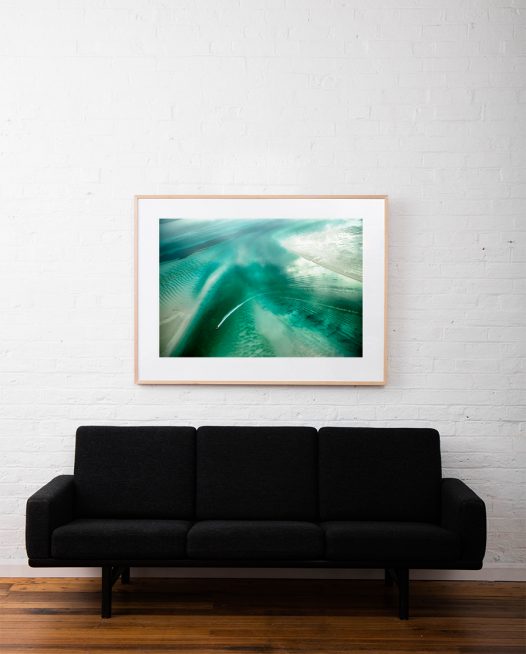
column 379, row 474
column 135, row 472
column 258, row 473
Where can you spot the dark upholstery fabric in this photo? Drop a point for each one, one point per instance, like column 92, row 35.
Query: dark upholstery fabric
column 256, row 473
column 135, row 472
column 253, row 539
column 389, row 541
column 120, row 539
column 465, row 513
column 379, row 474
column 49, row 507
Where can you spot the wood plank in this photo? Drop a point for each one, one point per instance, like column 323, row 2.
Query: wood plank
column 260, row 616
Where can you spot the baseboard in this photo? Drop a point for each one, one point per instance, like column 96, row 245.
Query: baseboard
column 501, row 573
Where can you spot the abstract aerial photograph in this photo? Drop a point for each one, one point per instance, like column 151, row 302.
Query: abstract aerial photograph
column 260, row 287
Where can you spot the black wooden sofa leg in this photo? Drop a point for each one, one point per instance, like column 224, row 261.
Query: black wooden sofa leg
column 125, row 575
column 107, row 583
column 403, row 592
column 401, row 577
column 110, row 574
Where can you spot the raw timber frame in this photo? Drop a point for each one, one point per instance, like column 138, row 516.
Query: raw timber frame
column 149, row 375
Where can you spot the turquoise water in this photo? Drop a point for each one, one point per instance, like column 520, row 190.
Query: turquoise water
column 260, row 288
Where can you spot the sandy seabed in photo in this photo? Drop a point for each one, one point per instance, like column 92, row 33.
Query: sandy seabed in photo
column 260, row 288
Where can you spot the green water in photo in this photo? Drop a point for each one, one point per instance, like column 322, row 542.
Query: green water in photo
column 260, row 288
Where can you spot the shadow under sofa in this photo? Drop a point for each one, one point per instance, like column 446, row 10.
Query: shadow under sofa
column 278, row 497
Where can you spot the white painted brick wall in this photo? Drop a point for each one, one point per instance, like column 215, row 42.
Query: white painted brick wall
column 423, row 100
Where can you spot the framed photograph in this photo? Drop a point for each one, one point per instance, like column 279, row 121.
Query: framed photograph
column 272, row 289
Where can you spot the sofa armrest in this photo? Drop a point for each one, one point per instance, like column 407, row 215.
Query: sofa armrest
column 47, row 509
column 464, row 513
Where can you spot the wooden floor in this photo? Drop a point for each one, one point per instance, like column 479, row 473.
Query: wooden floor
column 261, row 616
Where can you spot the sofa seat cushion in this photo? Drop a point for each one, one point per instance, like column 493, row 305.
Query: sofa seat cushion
column 255, row 539
column 389, row 541
column 107, row 538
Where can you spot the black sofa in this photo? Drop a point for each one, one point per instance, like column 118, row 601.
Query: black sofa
column 256, row 497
